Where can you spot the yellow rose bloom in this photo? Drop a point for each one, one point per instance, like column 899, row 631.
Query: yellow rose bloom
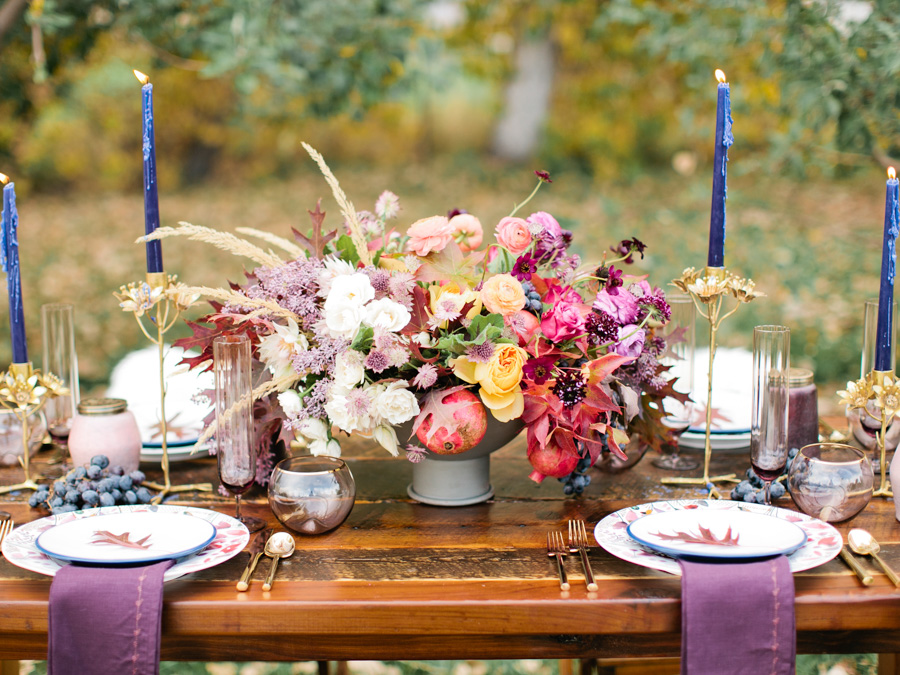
column 499, row 379
column 459, row 296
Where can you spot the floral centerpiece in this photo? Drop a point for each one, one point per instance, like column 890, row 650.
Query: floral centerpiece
column 366, row 327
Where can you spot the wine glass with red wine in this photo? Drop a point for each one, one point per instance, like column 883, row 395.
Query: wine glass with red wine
column 235, row 450
column 769, row 421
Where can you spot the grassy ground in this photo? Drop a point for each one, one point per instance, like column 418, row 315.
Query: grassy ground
column 813, row 247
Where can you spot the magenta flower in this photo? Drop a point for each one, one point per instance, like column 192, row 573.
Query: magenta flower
column 563, row 321
column 631, row 341
column 623, row 307
column 525, row 266
column 539, row 370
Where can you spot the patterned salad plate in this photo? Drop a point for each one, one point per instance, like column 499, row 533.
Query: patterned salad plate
column 196, row 538
column 809, row 542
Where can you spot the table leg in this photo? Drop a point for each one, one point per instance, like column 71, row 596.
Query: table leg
column 888, row 664
column 9, row 668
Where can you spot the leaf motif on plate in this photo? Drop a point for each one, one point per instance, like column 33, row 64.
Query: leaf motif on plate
column 124, row 540
column 706, row 536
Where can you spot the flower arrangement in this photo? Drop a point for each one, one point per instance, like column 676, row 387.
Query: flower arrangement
column 363, row 328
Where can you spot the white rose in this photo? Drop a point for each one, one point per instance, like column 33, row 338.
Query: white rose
column 349, row 370
column 331, row 448
column 350, row 289
column 313, row 429
column 290, row 402
column 424, row 339
column 334, row 268
column 277, row 350
column 344, row 319
column 338, row 410
column 395, row 403
column 387, row 315
column 387, row 438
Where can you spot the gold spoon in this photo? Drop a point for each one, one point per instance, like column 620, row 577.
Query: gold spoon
column 280, row 545
column 864, row 543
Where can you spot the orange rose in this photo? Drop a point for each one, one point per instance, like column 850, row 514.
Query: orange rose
column 503, row 294
column 499, row 379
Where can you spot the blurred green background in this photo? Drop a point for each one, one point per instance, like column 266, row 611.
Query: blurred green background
column 452, row 105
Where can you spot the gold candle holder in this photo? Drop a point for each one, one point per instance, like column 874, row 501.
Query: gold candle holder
column 877, row 395
column 24, row 391
column 161, row 299
column 709, row 288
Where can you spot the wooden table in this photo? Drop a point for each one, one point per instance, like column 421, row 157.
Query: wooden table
column 400, row 580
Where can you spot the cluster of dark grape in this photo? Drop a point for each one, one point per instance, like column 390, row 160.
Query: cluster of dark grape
column 751, row 489
column 576, row 481
column 97, row 484
column 532, row 298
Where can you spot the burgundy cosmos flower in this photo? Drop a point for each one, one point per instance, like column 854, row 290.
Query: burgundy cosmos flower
column 525, row 266
column 543, row 175
column 627, row 247
column 610, row 278
column 539, row 370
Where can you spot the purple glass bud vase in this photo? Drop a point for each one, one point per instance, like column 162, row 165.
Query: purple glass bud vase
column 803, row 410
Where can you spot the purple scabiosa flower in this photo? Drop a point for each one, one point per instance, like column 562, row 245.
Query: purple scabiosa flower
column 480, row 353
column 377, row 361
column 415, row 453
column 426, row 377
column 387, row 205
column 525, row 266
column 380, row 280
column 601, row 327
column 656, row 307
column 539, row 370
column 570, row 387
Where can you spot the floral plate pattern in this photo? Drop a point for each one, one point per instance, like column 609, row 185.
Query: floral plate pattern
column 231, row 536
column 823, row 542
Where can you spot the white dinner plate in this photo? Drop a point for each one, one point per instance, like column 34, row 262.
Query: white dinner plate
column 230, row 538
column 126, row 538
column 715, row 533
column 177, row 453
column 720, row 441
column 732, row 391
column 823, row 542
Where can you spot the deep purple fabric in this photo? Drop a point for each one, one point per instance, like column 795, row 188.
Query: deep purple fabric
column 738, row 618
column 106, row 620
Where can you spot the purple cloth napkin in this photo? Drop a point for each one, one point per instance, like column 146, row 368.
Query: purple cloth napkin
column 106, row 620
column 738, row 618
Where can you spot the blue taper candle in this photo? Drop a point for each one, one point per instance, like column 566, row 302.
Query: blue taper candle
column 724, row 140
column 9, row 261
column 151, row 195
column 883, row 346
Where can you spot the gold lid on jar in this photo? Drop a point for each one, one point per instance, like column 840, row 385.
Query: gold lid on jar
column 800, row 377
column 102, row 406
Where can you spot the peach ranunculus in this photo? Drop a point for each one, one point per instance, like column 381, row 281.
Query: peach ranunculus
column 513, row 235
column 451, row 296
column 503, row 294
column 499, row 379
column 467, row 231
column 429, row 234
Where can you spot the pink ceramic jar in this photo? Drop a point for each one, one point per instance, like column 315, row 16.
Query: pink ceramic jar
column 105, row 426
column 803, row 409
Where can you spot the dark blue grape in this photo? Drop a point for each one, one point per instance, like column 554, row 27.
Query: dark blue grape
column 106, row 499
column 137, row 477
column 90, row 497
column 568, row 488
column 100, row 460
column 143, row 495
column 80, row 472
column 125, row 483
column 130, row 497
column 117, row 471
column 105, row 485
column 59, row 487
column 72, row 496
column 65, row 508
column 56, row 501
column 750, row 497
column 94, row 472
column 116, row 495
column 776, row 491
column 33, row 501
column 82, row 486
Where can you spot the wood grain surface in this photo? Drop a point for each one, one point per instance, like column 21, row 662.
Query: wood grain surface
column 402, row 580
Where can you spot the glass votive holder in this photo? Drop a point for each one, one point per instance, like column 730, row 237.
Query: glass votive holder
column 11, row 436
column 830, row 481
column 311, row 495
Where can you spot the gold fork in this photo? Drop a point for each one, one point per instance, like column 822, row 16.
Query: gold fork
column 557, row 549
column 578, row 544
column 6, row 525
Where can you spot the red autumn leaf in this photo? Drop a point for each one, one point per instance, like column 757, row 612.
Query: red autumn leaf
column 315, row 243
column 419, row 316
column 704, row 537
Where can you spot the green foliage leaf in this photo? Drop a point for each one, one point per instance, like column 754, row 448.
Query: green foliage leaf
column 347, row 249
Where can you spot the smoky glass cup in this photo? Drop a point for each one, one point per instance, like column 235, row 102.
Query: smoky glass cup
column 830, row 481
column 311, row 495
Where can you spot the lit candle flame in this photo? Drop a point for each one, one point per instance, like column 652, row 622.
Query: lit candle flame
column 720, row 76
column 144, row 79
column 892, row 174
column 4, row 178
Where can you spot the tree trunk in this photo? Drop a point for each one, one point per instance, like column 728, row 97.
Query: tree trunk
column 9, row 15
column 527, row 104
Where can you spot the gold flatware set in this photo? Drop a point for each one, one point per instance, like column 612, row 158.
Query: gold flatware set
column 275, row 546
column 578, row 544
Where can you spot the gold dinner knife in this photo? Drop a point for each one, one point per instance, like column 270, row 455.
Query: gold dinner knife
column 256, row 552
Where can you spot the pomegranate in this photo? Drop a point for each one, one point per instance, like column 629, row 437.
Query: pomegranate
column 459, row 420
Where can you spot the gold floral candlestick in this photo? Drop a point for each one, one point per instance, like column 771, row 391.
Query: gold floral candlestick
column 877, row 395
column 24, row 391
column 161, row 299
column 709, row 288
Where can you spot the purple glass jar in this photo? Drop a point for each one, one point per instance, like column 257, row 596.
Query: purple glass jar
column 105, row 426
column 803, row 410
